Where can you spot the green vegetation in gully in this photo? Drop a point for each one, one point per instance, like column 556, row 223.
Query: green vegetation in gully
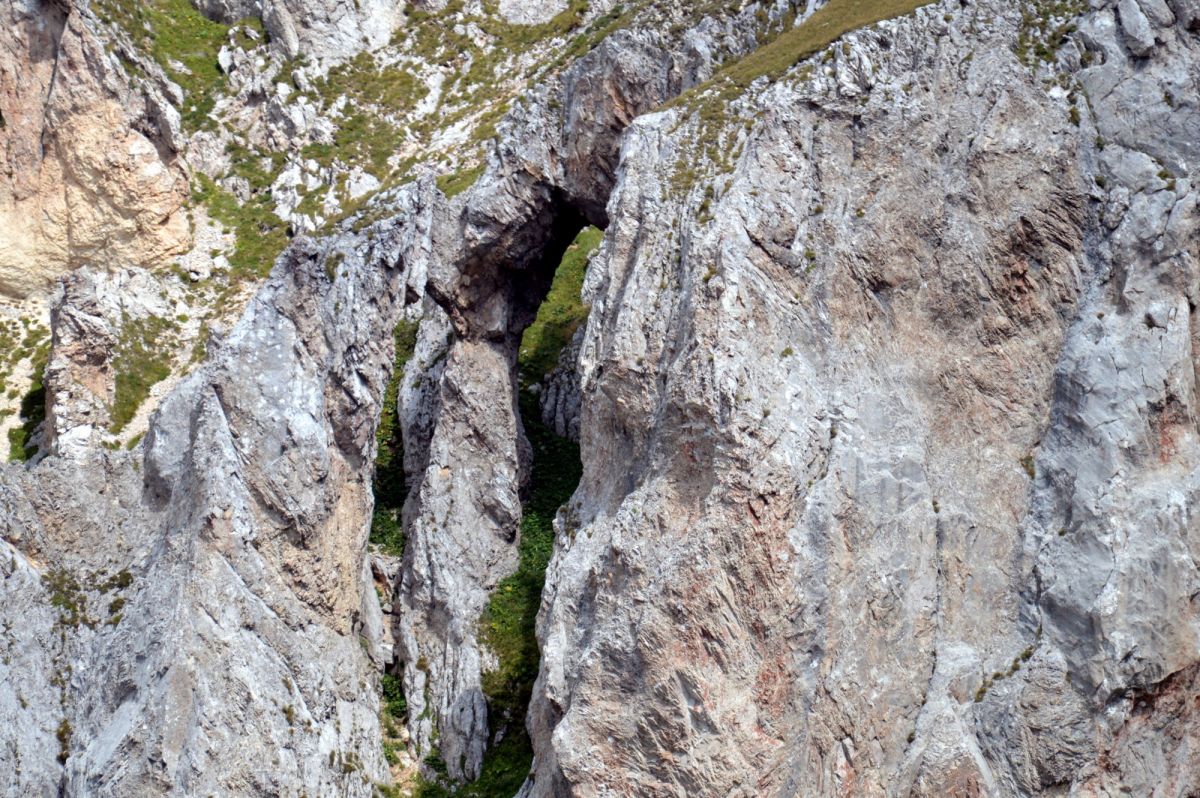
column 390, row 486
column 395, row 711
column 33, row 412
column 22, row 340
column 562, row 311
column 507, row 625
column 508, row 622
column 140, row 360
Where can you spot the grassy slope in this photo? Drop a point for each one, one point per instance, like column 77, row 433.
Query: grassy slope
column 173, row 31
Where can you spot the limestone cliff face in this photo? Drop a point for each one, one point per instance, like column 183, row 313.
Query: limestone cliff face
column 90, row 173
column 204, row 616
column 886, row 402
column 889, row 432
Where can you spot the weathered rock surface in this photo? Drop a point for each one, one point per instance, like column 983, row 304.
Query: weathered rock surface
column 331, row 30
column 559, row 394
column 890, row 457
column 207, row 620
column 531, row 12
column 553, row 168
column 90, row 173
column 887, row 407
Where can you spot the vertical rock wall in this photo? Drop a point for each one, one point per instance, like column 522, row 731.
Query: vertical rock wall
column 90, row 173
column 889, row 433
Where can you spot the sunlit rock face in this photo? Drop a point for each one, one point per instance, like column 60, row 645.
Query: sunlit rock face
column 90, row 170
column 886, row 403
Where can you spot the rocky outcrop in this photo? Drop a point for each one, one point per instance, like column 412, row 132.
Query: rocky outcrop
column 559, row 395
column 209, row 608
column 531, row 12
column 900, row 480
column 549, row 175
column 333, row 30
column 886, row 404
column 90, row 168
column 97, row 320
column 229, row 11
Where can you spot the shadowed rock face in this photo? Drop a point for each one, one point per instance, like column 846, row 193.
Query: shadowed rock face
column 887, row 407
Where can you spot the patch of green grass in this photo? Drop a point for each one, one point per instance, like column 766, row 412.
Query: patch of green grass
column 367, row 82
column 173, row 32
column 562, row 311
column 454, row 184
column 511, row 38
column 261, row 235
column 507, row 625
column 67, row 596
column 141, row 360
column 64, row 740
column 362, row 139
column 599, row 29
column 390, row 486
column 393, row 696
column 1045, row 26
column 508, row 621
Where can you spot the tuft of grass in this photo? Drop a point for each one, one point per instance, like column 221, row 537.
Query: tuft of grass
column 67, row 596
column 393, row 696
column 64, row 740
column 140, row 361
column 1027, row 463
column 454, row 184
column 562, row 311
